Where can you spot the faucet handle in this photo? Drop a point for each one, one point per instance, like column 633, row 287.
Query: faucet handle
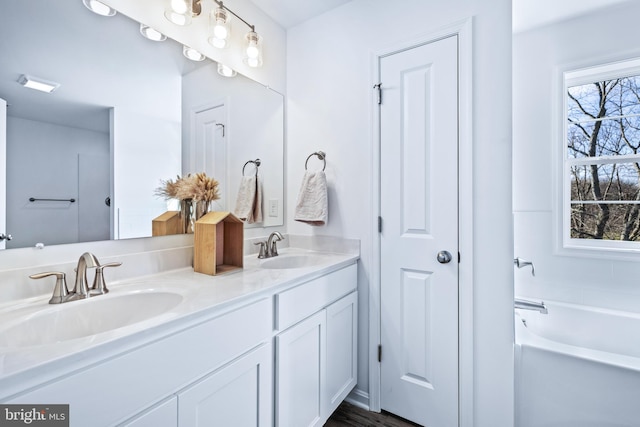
column 99, row 285
column 60, row 292
column 263, row 249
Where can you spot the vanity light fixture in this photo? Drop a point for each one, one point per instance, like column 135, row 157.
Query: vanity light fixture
column 220, row 30
column 192, row 54
column 152, row 34
column 38, row 83
column 225, row 71
column 98, row 7
column 180, row 12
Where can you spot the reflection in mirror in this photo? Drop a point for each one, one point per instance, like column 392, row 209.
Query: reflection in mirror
column 116, row 126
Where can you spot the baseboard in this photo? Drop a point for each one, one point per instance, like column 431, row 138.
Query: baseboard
column 359, row 398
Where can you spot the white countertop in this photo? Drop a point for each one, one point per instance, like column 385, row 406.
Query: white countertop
column 203, row 297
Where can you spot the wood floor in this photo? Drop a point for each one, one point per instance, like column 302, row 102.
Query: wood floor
column 352, row 416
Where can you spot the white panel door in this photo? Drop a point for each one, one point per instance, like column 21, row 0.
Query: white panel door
column 237, row 395
column 419, row 209
column 210, row 149
column 3, row 171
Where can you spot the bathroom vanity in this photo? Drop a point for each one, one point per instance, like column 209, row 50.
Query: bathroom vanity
column 273, row 344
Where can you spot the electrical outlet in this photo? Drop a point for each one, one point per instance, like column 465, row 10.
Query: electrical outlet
column 273, row 207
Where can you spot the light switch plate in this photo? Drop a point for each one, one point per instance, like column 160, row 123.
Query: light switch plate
column 273, row 207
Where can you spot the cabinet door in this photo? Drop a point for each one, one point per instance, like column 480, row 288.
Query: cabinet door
column 300, row 366
column 341, row 350
column 163, row 415
column 238, row 395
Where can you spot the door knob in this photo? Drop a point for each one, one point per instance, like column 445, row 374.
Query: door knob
column 444, row 257
column 6, row 237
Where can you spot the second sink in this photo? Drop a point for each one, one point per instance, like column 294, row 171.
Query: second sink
column 291, row 261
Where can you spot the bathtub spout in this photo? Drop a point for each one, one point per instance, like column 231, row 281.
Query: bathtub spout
column 530, row 305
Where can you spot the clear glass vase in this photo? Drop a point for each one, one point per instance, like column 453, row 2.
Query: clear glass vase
column 186, row 207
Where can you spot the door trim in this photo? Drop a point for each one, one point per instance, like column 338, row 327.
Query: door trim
column 463, row 29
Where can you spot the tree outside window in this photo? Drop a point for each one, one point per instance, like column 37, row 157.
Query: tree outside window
column 603, row 160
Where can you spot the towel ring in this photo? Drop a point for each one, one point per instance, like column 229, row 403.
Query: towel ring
column 256, row 162
column 321, row 155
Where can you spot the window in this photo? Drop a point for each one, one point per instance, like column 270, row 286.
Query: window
column 601, row 200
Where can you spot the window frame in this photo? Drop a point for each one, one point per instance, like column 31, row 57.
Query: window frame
column 567, row 77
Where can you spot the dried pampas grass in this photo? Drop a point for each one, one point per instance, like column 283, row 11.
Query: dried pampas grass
column 198, row 187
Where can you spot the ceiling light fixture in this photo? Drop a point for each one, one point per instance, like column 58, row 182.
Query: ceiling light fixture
column 225, row 71
column 38, row 83
column 98, row 7
column 151, row 33
column 192, row 54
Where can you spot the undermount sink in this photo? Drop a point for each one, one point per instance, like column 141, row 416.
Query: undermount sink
column 78, row 319
column 291, row 261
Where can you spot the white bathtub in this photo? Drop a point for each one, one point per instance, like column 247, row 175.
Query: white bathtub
column 577, row 366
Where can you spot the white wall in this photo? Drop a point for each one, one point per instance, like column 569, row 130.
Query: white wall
column 42, row 162
column 329, row 107
column 607, row 35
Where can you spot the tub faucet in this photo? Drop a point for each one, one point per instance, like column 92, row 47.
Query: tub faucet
column 530, row 305
column 519, row 262
column 272, row 249
column 81, row 288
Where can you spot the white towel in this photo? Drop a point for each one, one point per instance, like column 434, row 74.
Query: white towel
column 249, row 201
column 312, row 206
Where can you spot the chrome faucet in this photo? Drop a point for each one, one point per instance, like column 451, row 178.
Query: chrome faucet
column 81, row 288
column 530, row 305
column 272, row 248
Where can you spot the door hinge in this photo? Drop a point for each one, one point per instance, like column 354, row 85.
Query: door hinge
column 379, row 224
column 458, row 257
column 379, row 88
column 379, row 353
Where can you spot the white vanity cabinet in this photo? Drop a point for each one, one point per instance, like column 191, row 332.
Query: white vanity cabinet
column 316, row 356
column 208, row 362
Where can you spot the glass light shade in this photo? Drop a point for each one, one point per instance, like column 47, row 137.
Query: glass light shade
column 181, row 6
column 100, row 8
column 253, row 50
column 219, row 28
column 192, row 54
column 225, row 71
column 151, row 33
column 179, row 12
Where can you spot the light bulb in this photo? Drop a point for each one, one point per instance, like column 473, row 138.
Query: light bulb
column 151, row 33
column 220, row 32
column 192, row 54
column 100, row 8
column 252, row 51
column 180, row 6
column 225, row 71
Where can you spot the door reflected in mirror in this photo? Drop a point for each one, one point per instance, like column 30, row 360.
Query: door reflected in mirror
column 123, row 119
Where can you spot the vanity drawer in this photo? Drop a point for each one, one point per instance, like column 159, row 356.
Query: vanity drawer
column 137, row 379
column 298, row 303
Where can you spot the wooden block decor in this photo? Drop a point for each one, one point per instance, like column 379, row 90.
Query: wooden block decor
column 217, row 243
column 167, row 223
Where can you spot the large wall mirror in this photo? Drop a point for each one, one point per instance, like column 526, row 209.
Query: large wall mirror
column 84, row 161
